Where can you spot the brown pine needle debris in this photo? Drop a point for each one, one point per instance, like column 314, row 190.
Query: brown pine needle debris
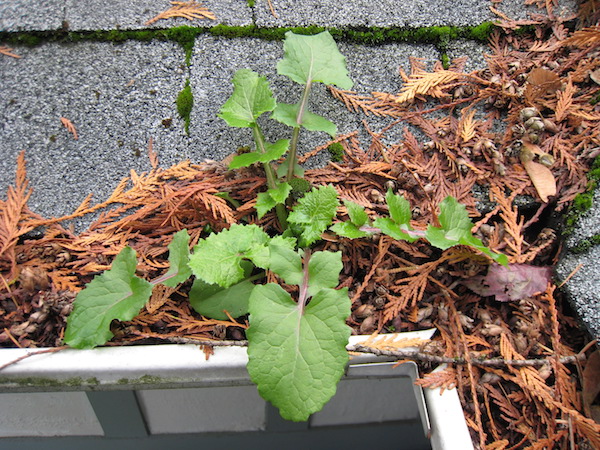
column 517, row 365
column 187, row 10
column 69, row 126
column 4, row 50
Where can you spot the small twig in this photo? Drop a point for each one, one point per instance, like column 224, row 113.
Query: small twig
column 21, row 358
column 492, row 362
column 11, row 337
column 272, row 9
column 191, row 340
column 573, row 272
column 400, row 353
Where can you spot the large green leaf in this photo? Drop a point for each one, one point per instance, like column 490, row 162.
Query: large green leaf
column 211, row 300
column 179, row 256
column 217, row 259
column 357, row 213
column 313, row 58
column 348, row 230
column 297, row 354
column 251, row 97
column 117, row 294
column 391, row 228
column 314, row 213
column 286, row 263
column 358, row 218
column 272, row 153
column 400, row 210
column 288, row 115
column 456, row 228
column 324, row 271
column 266, row 201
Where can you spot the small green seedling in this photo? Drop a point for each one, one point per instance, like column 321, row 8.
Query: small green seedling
column 296, row 342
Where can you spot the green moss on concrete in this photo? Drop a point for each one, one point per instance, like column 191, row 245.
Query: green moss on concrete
column 50, row 383
column 185, row 35
column 336, row 152
column 144, row 379
column 583, row 202
column 185, row 102
column 586, row 244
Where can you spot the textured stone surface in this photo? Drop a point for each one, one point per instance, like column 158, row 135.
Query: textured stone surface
column 582, row 288
column 116, row 95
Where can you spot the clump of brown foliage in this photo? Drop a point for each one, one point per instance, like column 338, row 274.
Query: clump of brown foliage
column 516, row 364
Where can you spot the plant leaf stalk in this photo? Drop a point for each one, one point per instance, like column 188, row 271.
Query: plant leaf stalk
column 280, row 209
column 292, row 155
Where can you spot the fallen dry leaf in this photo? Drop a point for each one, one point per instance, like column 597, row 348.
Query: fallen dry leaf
column 70, row 127
column 542, row 179
column 4, row 50
column 591, row 383
column 595, row 76
column 515, row 282
column 187, row 10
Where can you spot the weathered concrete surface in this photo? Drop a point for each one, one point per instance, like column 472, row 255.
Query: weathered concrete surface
column 76, row 15
column 583, row 288
column 116, row 96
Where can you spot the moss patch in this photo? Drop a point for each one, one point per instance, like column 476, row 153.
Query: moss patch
column 583, row 202
column 48, row 382
column 185, row 102
column 336, row 151
column 586, row 244
column 185, row 35
column 144, row 379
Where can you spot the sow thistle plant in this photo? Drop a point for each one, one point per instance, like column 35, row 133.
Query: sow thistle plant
column 296, row 342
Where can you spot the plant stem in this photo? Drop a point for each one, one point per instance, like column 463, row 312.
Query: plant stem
column 303, row 294
column 259, row 139
column 296, row 133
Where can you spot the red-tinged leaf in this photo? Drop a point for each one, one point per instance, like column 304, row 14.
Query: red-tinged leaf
column 511, row 283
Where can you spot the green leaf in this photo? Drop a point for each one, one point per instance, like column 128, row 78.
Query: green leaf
column 391, row 228
column 297, row 355
column 324, row 271
column 179, row 256
column 399, row 209
column 357, row 213
column 455, row 224
column 288, row 115
column 313, row 58
column 261, row 254
column 211, row 300
column 117, row 294
column 286, row 263
column 267, row 200
column 456, row 228
column 314, row 213
column 348, row 230
column 476, row 243
column 217, row 259
column 251, row 97
column 272, row 153
column 283, row 167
